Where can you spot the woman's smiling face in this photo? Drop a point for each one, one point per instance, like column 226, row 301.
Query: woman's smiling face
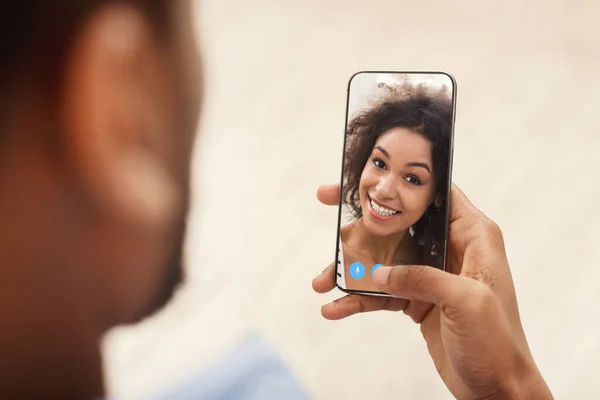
column 397, row 184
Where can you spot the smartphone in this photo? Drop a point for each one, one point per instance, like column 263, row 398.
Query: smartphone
column 396, row 175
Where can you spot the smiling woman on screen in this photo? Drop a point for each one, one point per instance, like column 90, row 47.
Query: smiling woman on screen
column 396, row 180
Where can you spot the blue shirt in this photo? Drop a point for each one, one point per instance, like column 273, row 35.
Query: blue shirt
column 253, row 371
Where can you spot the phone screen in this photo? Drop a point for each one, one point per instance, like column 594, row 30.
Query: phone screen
column 396, row 175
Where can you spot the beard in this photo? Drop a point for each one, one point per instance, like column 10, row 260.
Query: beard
column 172, row 278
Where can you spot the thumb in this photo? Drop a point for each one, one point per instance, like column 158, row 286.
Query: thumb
column 417, row 282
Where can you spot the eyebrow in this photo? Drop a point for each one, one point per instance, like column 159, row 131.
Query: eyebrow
column 411, row 164
column 419, row 164
column 381, row 149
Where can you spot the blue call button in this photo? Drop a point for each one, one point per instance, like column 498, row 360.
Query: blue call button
column 375, row 267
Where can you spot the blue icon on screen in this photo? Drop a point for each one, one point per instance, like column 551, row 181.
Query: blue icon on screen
column 357, row 270
column 375, row 267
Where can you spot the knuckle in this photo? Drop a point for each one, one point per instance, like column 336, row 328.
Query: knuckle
column 480, row 298
column 483, row 275
column 487, row 231
column 421, row 312
column 394, row 304
column 386, row 303
column 358, row 305
column 491, row 229
column 415, row 276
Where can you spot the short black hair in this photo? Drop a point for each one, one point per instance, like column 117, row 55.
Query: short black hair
column 35, row 35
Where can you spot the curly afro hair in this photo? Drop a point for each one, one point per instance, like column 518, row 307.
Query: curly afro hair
column 425, row 110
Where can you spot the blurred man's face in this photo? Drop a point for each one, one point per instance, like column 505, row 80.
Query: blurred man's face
column 186, row 85
column 131, row 110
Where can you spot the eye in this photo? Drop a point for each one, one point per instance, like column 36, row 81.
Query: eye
column 379, row 163
column 413, row 180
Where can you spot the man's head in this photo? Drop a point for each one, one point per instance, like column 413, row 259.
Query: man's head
column 98, row 109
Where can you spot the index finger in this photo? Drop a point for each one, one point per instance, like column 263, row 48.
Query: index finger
column 460, row 205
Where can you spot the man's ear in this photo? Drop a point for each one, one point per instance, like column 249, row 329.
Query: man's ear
column 116, row 116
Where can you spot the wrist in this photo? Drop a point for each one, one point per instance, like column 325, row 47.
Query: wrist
column 524, row 382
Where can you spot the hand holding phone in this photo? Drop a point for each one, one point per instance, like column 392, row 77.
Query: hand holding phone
column 396, row 175
column 469, row 315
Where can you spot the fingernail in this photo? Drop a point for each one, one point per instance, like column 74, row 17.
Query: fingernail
column 382, row 275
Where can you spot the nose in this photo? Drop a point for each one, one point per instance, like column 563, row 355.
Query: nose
column 385, row 188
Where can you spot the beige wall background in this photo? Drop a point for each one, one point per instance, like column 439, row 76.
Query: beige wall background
column 526, row 152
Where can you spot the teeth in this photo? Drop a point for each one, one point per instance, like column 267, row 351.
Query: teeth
column 384, row 212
